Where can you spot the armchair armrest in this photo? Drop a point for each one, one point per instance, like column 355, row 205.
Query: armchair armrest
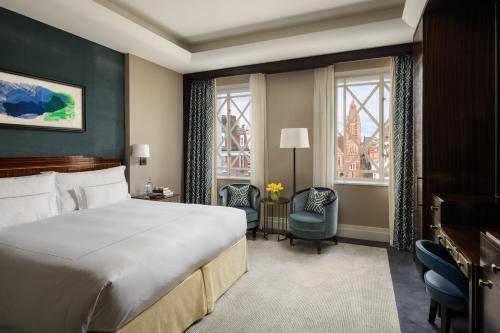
column 255, row 198
column 223, row 197
column 331, row 213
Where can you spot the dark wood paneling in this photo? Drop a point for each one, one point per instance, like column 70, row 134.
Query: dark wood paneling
column 417, row 118
column 497, row 93
column 27, row 166
column 458, row 94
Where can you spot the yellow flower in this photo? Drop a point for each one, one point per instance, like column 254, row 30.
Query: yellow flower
column 274, row 188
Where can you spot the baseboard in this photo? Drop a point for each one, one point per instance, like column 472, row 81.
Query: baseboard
column 350, row 231
column 363, row 232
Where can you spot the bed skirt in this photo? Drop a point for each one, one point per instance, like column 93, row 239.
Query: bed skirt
column 195, row 297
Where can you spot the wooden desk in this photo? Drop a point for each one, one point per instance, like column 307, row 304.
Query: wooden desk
column 464, row 244
column 458, row 221
column 489, row 283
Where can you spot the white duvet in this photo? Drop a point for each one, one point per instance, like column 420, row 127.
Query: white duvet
column 97, row 269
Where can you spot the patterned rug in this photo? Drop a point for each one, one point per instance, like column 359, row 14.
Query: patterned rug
column 347, row 288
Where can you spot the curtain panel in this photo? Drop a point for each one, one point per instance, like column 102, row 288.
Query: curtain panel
column 200, row 142
column 324, row 127
column 402, row 146
column 259, row 151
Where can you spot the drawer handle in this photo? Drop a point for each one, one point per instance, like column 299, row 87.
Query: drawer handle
column 495, row 268
column 487, row 283
column 434, row 227
column 434, row 208
column 460, row 264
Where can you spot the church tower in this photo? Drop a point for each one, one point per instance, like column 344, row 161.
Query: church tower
column 353, row 141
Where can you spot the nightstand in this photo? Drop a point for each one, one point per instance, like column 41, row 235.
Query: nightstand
column 176, row 197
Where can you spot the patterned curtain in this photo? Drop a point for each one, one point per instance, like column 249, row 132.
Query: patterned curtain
column 402, row 129
column 199, row 143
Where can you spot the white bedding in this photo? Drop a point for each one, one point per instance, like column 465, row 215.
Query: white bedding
column 97, row 269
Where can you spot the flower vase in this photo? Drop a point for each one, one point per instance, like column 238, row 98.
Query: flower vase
column 275, row 196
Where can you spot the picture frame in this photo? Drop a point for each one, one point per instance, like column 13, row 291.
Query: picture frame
column 32, row 102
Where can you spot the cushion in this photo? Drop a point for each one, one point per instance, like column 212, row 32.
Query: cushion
column 238, row 196
column 307, row 221
column 66, row 183
column 102, row 195
column 316, row 201
column 445, row 292
column 27, row 199
column 307, row 217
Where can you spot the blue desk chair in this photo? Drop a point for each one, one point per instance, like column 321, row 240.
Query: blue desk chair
column 446, row 285
column 312, row 226
column 252, row 212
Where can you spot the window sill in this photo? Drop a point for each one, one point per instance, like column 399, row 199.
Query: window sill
column 232, row 178
column 360, row 182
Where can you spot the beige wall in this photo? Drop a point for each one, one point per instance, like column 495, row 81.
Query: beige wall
column 363, row 205
column 289, row 104
column 154, row 116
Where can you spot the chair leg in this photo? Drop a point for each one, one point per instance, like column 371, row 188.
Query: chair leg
column 291, row 240
column 432, row 311
column 445, row 319
column 318, row 246
column 254, row 233
column 335, row 240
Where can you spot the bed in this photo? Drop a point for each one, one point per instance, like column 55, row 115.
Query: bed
column 130, row 266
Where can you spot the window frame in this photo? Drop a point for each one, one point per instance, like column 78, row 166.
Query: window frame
column 232, row 88
column 360, row 73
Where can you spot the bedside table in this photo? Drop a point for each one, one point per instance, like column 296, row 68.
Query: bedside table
column 176, row 197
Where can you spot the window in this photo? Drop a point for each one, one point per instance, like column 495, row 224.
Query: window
column 362, row 125
column 233, row 130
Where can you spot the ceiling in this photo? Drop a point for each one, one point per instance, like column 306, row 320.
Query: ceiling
column 195, row 21
column 196, row 35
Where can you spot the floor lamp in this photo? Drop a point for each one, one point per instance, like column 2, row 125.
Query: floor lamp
column 294, row 138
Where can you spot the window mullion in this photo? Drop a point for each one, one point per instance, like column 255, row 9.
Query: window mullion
column 381, row 166
column 344, row 164
column 229, row 148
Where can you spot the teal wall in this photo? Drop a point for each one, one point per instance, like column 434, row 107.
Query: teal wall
column 34, row 48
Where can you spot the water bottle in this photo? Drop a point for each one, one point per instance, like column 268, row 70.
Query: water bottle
column 149, row 187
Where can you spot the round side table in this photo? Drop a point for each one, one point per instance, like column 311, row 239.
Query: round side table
column 277, row 209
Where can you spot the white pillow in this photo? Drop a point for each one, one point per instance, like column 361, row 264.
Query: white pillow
column 102, row 195
column 27, row 199
column 66, row 183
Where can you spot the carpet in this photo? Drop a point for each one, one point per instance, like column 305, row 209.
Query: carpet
column 347, row 288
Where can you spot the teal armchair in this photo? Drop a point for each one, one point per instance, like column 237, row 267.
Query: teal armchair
column 252, row 212
column 312, row 226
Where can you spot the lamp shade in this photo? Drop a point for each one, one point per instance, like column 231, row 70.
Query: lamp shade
column 140, row 150
column 294, row 138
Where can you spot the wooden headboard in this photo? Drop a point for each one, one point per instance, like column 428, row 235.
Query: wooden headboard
column 27, row 166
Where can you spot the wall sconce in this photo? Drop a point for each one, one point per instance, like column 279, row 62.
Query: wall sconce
column 141, row 151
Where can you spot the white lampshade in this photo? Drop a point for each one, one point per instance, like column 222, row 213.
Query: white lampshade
column 294, row 138
column 140, row 150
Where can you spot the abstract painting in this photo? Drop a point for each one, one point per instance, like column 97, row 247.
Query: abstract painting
column 34, row 102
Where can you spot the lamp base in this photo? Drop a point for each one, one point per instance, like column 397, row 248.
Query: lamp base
column 143, row 161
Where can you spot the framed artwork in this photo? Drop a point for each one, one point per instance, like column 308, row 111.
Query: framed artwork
column 27, row 101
